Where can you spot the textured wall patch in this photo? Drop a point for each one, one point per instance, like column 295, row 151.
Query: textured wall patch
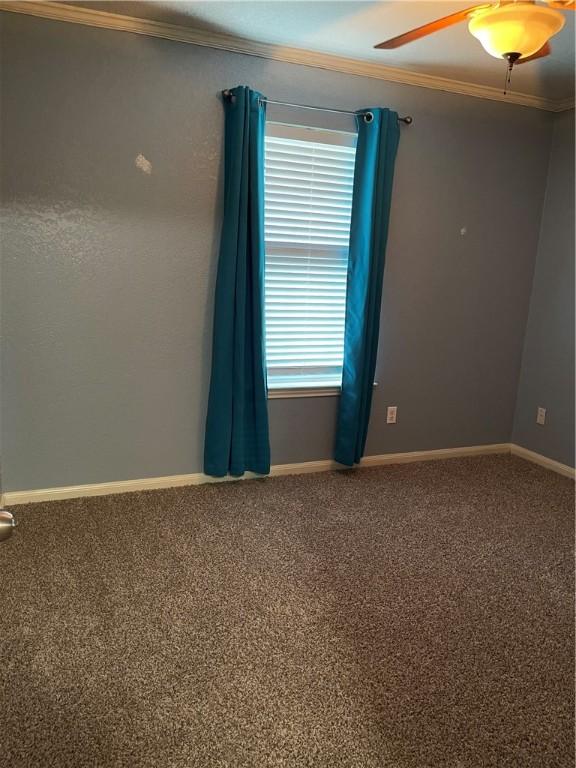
column 144, row 165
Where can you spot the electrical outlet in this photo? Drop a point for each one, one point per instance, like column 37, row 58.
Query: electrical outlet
column 391, row 414
column 541, row 416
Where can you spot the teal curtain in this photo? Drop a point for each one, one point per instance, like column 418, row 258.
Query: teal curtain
column 378, row 135
column 236, row 437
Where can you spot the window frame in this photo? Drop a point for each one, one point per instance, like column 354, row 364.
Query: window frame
column 325, row 136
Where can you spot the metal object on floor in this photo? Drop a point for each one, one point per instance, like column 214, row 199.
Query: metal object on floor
column 7, row 524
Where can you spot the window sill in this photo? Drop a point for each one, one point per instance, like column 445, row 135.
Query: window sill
column 287, row 393
column 283, row 393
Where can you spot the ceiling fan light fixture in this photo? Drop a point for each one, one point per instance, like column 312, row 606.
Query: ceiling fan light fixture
column 520, row 28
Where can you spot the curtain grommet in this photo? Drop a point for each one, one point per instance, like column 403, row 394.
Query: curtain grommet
column 368, row 117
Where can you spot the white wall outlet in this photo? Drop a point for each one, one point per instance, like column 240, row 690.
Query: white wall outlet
column 391, row 414
column 541, row 416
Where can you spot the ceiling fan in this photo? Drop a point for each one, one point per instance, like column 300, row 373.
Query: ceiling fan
column 515, row 30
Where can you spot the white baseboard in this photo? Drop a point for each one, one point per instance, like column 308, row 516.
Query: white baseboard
column 174, row 481
column 543, row 461
column 198, row 478
column 441, row 453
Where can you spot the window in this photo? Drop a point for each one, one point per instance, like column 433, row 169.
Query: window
column 309, row 175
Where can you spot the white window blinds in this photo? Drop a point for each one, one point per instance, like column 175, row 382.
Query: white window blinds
column 309, row 176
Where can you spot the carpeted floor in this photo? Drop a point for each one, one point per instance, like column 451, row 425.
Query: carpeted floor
column 404, row 617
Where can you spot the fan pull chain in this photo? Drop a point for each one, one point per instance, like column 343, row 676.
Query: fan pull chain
column 511, row 58
column 508, row 78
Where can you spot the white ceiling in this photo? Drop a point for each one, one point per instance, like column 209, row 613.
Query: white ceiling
column 352, row 27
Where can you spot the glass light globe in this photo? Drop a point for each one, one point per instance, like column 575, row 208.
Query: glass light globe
column 515, row 28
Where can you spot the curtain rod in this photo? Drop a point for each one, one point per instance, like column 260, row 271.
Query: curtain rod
column 408, row 120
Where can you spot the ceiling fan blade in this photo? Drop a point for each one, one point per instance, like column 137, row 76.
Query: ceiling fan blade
column 562, row 5
column 428, row 29
column 546, row 50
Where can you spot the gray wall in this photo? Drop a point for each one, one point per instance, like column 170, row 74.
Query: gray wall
column 547, row 376
column 108, row 273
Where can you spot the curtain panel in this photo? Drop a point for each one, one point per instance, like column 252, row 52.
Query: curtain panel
column 373, row 176
column 236, row 438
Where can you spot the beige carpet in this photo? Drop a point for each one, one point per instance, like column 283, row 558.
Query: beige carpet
column 410, row 616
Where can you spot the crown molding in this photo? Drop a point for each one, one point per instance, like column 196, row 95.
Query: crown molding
column 563, row 105
column 183, row 34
